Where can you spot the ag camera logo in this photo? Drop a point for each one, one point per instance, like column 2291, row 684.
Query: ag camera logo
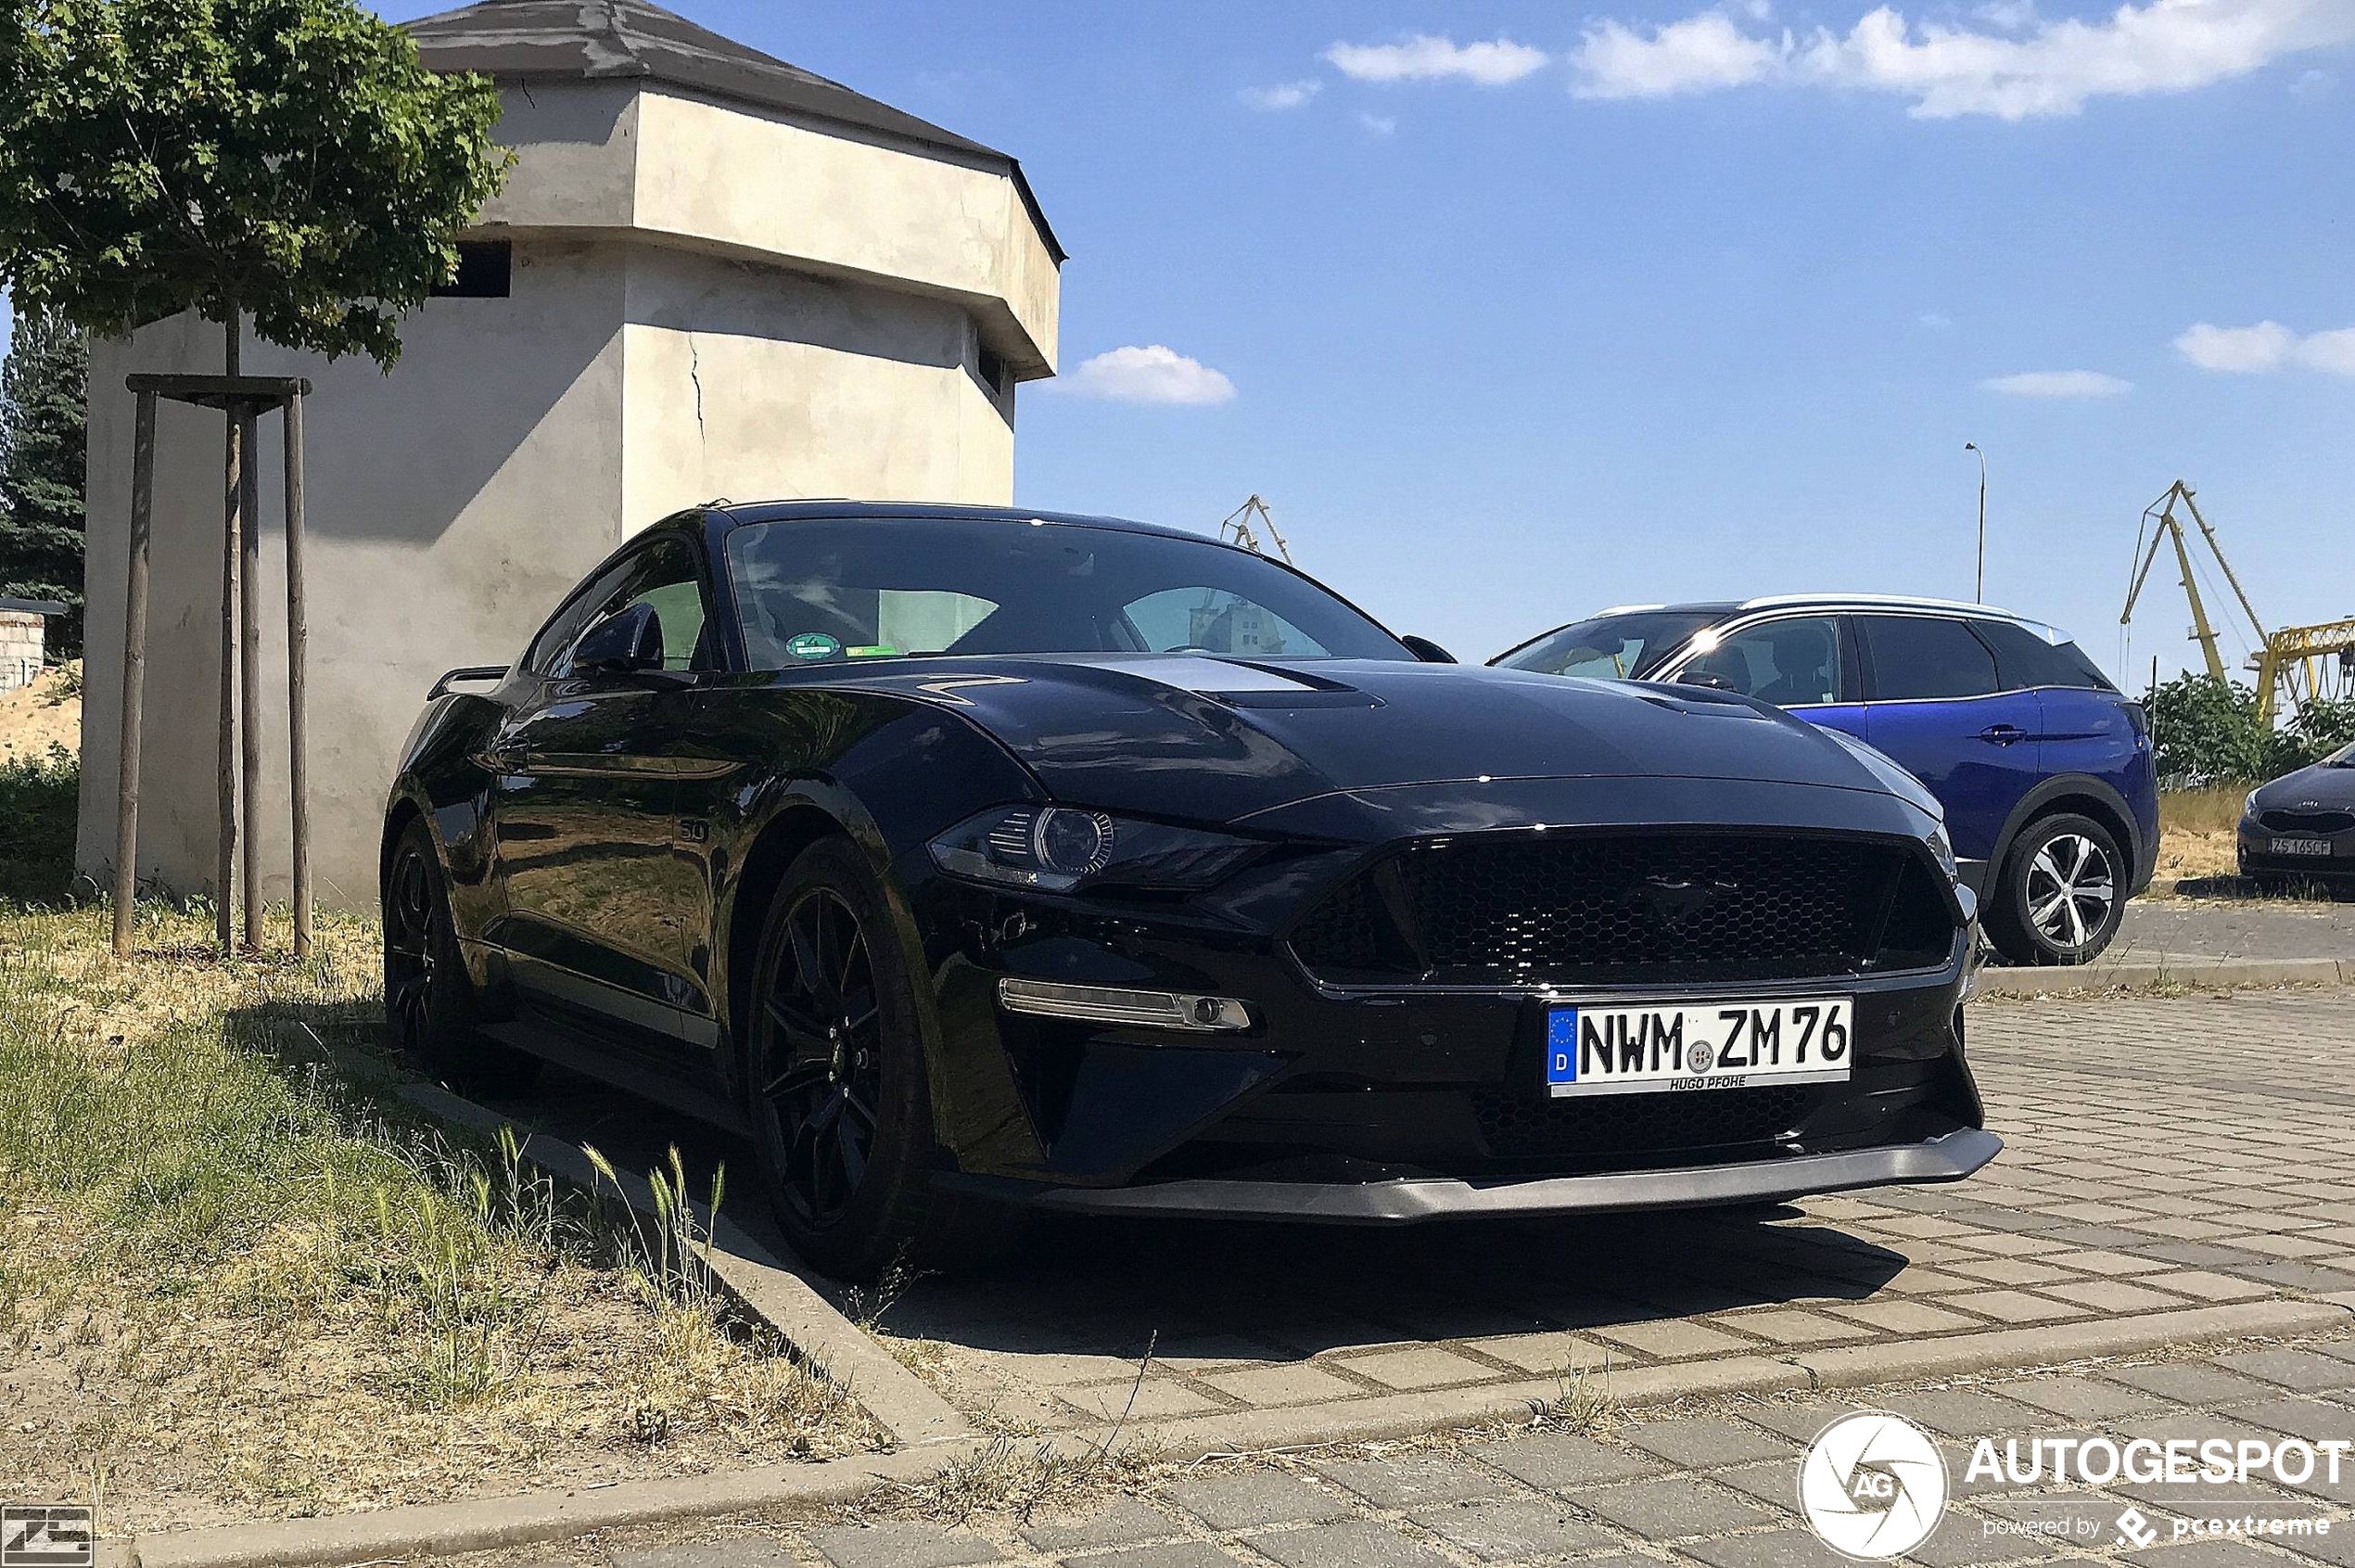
column 1873, row 1486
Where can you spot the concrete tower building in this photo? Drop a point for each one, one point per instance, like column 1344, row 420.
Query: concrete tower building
column 710, row 274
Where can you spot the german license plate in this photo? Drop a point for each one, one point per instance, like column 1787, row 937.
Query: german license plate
column 1666, row 1049
column 2299, row 846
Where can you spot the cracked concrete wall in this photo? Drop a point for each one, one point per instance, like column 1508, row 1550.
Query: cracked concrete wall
column 756, row 384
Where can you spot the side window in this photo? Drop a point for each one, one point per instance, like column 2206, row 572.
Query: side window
column 1792, row 663
column 1216, row 621
column 1918, row 659
column 2024, row 659
column 661, row 575
column 563, row 628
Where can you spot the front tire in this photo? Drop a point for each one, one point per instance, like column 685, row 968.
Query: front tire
column 429, row 997
column 836, row 1084
column 2061, row 895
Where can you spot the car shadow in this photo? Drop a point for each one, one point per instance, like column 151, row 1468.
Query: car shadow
column 1231, row 1290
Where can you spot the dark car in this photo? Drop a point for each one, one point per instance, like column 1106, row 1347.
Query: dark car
column 974, row 860
column 2302, row 825
column 2043, row 769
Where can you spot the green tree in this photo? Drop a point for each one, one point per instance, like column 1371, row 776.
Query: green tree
column 288, row 159
column 41, row 456
column 2206, row 729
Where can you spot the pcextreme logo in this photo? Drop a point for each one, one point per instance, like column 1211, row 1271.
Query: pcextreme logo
column 1873, row 1486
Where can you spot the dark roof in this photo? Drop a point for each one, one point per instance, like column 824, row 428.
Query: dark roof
column 596, row 39
column 739, row 512
column 31, row 606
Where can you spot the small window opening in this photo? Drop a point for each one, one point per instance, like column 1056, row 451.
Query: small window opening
column 990, row 366
column 486, row 269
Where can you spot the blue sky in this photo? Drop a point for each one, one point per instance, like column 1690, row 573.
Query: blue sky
column 1522, row 310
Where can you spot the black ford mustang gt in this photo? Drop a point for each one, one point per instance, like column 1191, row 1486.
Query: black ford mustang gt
column 972, row 860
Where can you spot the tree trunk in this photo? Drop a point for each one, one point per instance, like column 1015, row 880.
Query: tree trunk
column 233, row 487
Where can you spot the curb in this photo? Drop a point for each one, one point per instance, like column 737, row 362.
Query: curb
column 764, row 1284
column 534, row 1518
column 2222, row 972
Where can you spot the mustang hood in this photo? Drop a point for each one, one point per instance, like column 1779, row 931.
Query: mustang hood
column 1217, row 739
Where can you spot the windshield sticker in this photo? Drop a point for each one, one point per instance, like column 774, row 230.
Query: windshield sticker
column 813, row 644
column 873, row 650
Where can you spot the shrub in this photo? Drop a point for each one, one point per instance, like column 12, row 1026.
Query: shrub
column 2206, row 730
column 39, row 796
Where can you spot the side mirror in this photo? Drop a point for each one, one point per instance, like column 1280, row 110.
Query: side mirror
column 624, row 645
column 1428, row 651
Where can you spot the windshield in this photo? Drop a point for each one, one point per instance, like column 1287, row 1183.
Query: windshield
column 1610, row 648
column 808, row 590
column 2343, row 757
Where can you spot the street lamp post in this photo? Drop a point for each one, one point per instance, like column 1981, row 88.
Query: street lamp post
column 1979, row 592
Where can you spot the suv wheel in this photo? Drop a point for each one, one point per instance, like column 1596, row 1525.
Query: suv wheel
column 2061, row 894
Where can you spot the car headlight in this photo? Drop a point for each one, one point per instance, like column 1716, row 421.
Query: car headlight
column 1943, row 848
column 2248, row 805
column 1058, row 848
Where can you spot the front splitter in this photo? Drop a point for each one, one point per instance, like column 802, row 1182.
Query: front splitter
column 1949, row 1157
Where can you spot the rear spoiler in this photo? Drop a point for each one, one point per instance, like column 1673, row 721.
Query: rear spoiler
column 470, row 674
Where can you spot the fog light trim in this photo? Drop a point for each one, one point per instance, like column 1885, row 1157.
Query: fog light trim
column 1113, row 1004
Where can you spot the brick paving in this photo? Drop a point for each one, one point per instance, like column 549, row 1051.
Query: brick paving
column 2163, row 1153
column 1712, row 1485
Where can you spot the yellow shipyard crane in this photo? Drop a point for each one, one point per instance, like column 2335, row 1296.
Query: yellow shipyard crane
column 2298, row 664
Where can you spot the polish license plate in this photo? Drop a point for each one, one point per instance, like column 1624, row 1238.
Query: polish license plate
column 1666, row 1049
column 2299, row 846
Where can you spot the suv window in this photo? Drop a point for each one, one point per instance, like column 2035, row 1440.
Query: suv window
column 1918, row 657
column 661, row 575
column 2024, row 659
column 1792, row 663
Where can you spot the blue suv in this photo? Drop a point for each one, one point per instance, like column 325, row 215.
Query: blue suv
column 2045, row 769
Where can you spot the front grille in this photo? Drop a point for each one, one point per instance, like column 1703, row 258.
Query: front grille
column 1523, row 1126
column 1629, row 908
column 2307, row 822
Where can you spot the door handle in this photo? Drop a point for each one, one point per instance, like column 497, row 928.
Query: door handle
column 2003, row 735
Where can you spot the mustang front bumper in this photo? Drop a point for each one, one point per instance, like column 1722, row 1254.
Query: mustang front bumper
column 1949, row 1157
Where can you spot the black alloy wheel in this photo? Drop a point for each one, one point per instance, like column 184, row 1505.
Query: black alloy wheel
column 834, row 1083
column 825, row 1055
column 430, row 999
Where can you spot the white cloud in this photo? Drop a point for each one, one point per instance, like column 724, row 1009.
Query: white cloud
column 1425, row 58
column 1379, row 124
column 2312, row 87
column 1936, row 323
column 2333, row 351
column 1283, row 95
column 1151, row 374
column 2058, row 384
column 2016, row 66
column 2239, row 349
column 1699, row 54
column 2247, row 350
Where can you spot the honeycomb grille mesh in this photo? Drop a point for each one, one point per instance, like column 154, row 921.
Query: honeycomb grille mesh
column 1627, row 908
column 1523, row 1126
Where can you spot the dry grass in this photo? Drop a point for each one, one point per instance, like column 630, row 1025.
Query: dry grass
column 234, row 1280
column 43, row 714
column 2197, row 832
